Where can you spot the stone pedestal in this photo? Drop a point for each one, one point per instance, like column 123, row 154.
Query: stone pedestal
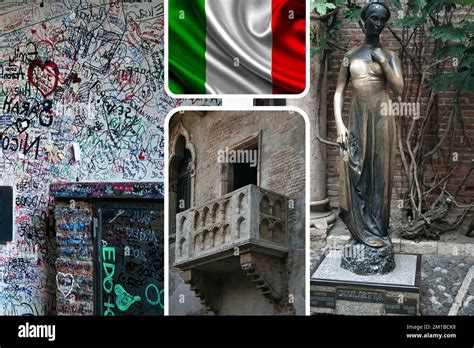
column 335, row 290
column 364, row 260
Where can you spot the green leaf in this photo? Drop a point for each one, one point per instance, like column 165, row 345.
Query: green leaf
column 468, row 85
column 410, row 21
column 334, row 25
column 322, row 7
column 448, row 32
column 433, row 8
column 461, row 80
column 466, row 81
column 455, row 50
column 352, row 14
column 467, row 62
column 416, row 5
column 457, row 2
column 396, row 3
column 468, row 26
column 322, row 43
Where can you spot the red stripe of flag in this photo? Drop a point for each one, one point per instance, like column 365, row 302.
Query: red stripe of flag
column 289, row 46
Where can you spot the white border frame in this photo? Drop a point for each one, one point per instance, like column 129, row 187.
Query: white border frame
column 253, row 96
column 307, row 187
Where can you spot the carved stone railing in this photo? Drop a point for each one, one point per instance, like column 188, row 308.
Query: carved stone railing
column 247, row 216
column 244, row 230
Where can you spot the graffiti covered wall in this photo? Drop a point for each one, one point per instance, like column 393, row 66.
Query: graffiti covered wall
column 123, row 222
column 81, row 99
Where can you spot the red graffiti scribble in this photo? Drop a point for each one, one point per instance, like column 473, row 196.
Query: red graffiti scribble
column 43, row 76
column 75, row 78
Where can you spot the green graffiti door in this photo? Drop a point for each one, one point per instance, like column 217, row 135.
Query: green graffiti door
column 130, row 262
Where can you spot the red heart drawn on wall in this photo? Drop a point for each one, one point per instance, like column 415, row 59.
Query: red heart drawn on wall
column 43, row 76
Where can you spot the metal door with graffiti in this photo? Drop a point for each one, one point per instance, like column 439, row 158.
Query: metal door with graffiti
column 130, row 262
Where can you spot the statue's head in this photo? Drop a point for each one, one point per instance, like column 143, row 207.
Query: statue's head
column 375, row 15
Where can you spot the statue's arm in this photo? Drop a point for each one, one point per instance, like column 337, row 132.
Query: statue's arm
column 392, row 68
column 342, row 81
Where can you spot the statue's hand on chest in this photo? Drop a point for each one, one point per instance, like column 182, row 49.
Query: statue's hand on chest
column 367, row 62
column 379, row 55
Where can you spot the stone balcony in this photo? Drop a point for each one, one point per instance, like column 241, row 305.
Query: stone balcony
column 246, row 229
column 250, row 215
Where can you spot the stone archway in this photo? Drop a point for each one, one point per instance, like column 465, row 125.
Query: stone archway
column 180, row 142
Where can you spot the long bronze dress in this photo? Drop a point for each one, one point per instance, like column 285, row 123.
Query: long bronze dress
column 367, row 174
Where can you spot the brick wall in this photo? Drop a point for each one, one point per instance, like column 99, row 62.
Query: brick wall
column 282, row 166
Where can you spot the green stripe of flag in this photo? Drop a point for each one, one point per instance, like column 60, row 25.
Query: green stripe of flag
column 187, row 46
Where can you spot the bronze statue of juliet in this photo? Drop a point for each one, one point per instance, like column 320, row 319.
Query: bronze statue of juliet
column 369, row 140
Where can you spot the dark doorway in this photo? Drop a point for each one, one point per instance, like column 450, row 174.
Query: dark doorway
column 246, row 173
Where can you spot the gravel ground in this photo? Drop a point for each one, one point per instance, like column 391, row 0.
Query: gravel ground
column 441, row 278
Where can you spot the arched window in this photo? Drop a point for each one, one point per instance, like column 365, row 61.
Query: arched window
column 181, row 173
column 184, row 182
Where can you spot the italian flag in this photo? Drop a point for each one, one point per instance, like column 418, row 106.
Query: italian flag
column 236, row 46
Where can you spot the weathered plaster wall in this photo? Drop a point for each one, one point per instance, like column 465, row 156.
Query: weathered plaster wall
column 241, row 297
